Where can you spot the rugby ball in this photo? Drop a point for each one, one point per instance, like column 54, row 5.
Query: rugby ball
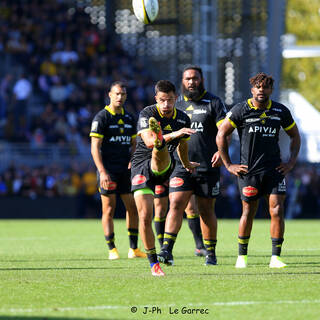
column 146, row 11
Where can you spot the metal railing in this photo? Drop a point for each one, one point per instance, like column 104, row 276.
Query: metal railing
column 33, row 156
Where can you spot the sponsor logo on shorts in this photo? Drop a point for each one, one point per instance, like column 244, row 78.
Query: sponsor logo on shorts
column 282, row 186
column 159, row 189
column 138, row 179
column 216, row 189
column 249, row 191
column 176, row 182
column 111, row 186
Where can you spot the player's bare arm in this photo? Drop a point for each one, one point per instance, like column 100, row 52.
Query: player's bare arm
column 224, row 132
column 182, row 151
column 295, row 143
column 96, row 155
column 216, row 160
column 178, row 134
column 133, row 149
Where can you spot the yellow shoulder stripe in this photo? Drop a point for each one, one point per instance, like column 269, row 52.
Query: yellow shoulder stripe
column 289, row 127
column 97, row 135
column 232, row 123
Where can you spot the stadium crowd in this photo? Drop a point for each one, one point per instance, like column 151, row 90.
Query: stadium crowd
column 54, row 72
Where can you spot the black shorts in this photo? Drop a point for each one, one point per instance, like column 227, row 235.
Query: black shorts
column 121, row 183
column 255, row 186
column 203, row 184
column 143, row 177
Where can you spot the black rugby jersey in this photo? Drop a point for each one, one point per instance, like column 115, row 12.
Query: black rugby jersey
column 259, row 133
column 205, row 114
column 178, row 121
column 117, row 131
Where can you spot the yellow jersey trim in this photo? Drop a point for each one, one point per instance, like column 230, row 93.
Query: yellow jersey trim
column 112, row 112
column 289, row 127
column 232, row 123
column 187, row 99
column 255, row 108
column 97, row 135
column 160, row 114
column 219, row 122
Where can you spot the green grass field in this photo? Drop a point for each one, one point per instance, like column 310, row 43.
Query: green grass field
column 58, row 269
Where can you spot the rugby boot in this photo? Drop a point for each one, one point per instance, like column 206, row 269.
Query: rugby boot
column 136, row 253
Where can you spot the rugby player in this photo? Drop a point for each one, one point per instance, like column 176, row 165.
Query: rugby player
column 206, row 112
column 113, row 138
column 161, row 129
column 261, row 171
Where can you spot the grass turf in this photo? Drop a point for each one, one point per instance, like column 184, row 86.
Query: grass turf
column 58, row 269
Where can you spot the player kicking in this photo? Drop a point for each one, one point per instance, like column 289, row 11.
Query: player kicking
column 261, row 171
column 113, row 135
column 161, row 129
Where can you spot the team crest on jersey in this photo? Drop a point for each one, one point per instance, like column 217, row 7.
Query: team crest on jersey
column 94, row 126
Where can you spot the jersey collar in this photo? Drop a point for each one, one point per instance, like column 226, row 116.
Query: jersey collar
column 187, row 99
column 255, row 108
column 174, row 112
column 112, row 112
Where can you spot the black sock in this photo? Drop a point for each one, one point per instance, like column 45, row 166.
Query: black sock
column 133, row 238
column 168, row 241
column 110, row 241
column 243, row 245
column 159, row 224
column 152, row 256
column 276, row 246
column 210, row 246
column 194, row 225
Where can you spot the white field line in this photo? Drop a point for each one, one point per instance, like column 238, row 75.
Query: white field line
column 200, row 305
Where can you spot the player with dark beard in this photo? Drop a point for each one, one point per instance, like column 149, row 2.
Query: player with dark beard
column 206, row 112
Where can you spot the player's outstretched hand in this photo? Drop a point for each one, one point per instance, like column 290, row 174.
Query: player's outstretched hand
column 285, row 167
column 180, row 133
column 191, row 167
column 216, row 160
column 238, row 169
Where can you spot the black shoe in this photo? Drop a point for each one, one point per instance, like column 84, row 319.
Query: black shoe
column 165, row 257
column 211, row 260
column 200, row 252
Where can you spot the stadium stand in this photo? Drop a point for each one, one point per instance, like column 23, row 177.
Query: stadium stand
column 55, row 66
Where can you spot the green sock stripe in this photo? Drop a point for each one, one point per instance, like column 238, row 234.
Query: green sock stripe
column 192, row 216
column 170, row 236
column 133, row 233
column 160, row 236
column 243, row 240
column 157, row 219
column 142, row 192
column 210, row 242
column 159, row 173
column 150, row 251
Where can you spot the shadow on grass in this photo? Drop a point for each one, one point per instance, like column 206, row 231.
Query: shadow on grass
column 53, row 318
column 62, row 268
